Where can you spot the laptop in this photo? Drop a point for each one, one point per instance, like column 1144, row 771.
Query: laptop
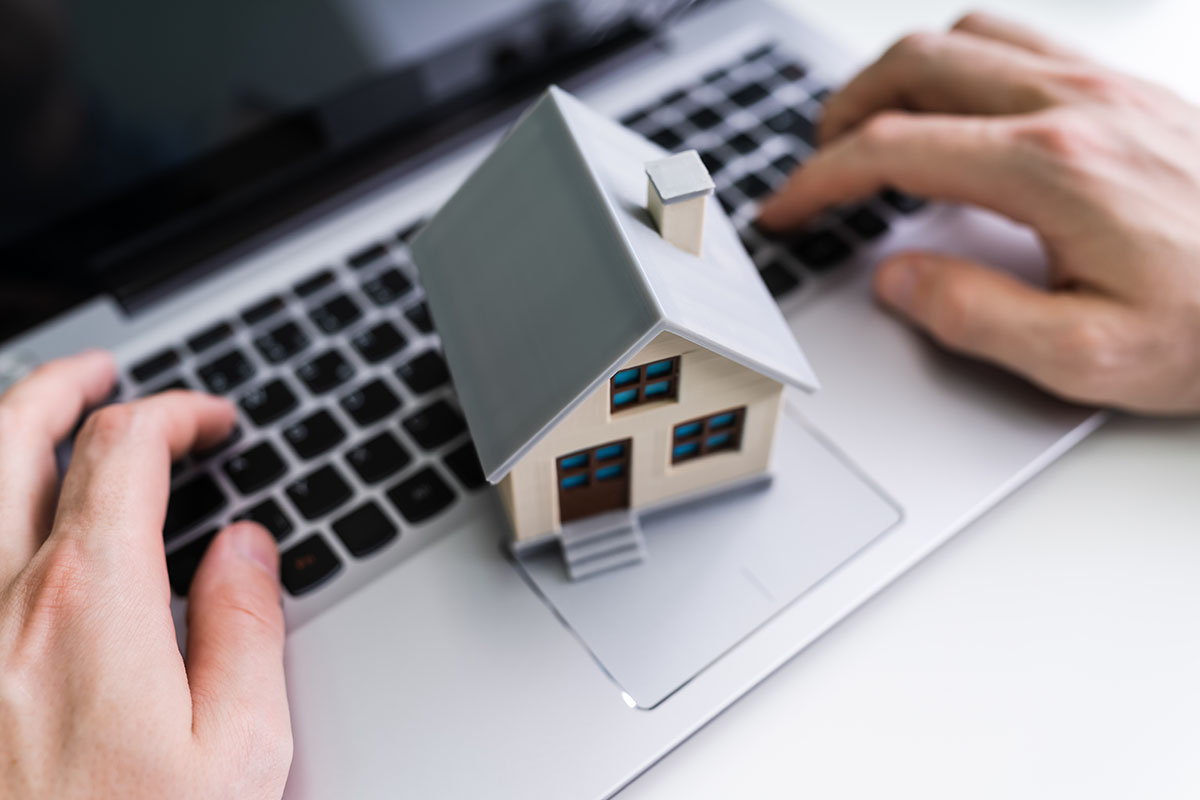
column 224, row 196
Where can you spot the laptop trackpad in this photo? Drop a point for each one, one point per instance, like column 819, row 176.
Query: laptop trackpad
column 717, row 570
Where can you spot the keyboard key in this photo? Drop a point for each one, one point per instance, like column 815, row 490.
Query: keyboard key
column 712, row 162
column 387, row 287
column 150, row 368
column 424, row 373
column 379, row 458
column 420, row 497
column 749, row 95
column 282, row 343
column 728, row 202
column 319, row 492
column 183, row 563
column 866, row 223
column 378, row 342
column 368, row 256
column 327, row 371
column 269, row 514
column 666, row 138
column 786, row 163
column 314, row 435
column 255, row 468
column 715, row 75
column 336, row 314
column 227, row 372
column 630, row 120
column 229, row 441
column 268, row 403
column 191, row 503
column 435, row 425
column 753, row 186
column 758, row 52
column 261, row 311
column 792, row 72
column 307, row 565
column 170, row 386
column 314, row 283
column 904, row 203
column 778, row 279
column 365, row 529
column 821, row 95
column 418, row 315
column 463, row 461
column 743, row 143
column 795, row 124
column 704, row 118
column 370, row 403
column 210, row 337
column 820, row 250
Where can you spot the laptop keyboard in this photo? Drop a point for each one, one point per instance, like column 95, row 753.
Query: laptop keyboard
column 350, row 435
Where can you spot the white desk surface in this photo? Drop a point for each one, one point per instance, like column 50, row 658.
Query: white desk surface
column 1051, row 650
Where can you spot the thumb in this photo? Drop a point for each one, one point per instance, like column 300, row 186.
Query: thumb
column 235, row 644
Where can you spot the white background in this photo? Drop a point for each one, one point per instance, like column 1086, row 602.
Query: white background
column 1052, row 650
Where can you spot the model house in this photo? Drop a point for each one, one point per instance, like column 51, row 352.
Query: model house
column 612, row 345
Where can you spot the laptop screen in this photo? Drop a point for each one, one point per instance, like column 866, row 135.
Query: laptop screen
column 128, row 124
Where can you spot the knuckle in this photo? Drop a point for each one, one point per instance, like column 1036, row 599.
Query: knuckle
column 1090, row 354
column 112, row 424
column 1102, row 86
column 62, row 583
column 971, row 21
column 952, row 315
column 1067, row 140
column 917, row 46
column 883, row 129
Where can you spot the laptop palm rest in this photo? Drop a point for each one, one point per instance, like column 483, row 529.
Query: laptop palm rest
column 718, row 569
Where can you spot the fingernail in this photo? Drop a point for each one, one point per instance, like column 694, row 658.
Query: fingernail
column 897, row 282
column 256, row 546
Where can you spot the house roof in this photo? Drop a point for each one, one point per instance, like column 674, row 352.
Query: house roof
column 679, row 177
column 544, row 273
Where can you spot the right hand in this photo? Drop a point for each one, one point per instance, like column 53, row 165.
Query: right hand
column 1105, row 168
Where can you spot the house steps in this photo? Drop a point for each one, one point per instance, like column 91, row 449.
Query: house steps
column 601, row 543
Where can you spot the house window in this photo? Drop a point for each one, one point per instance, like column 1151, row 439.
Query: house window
column 714, row 434
column 648, row 383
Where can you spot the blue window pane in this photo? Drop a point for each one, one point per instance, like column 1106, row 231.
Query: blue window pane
column 610, row 452
column 684, row 450
column 686, row 430
column 606, row 473
column 574, row 462
column 574, row 481
column 625, row 377
column 721, row 421
column 658, row 368
column 656, row 389
column 624, row 398
column 720, row 440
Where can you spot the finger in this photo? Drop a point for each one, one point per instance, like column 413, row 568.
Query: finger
column 235, row 648
column 999, row 29
column 1052, row 339
column 941, row 73
column 35, row 415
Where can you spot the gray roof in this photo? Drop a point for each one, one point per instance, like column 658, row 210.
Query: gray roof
column 679, row 177
column 544, row 273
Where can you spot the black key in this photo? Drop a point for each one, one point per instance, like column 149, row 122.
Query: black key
column 169, row 386
column 327, row 371
column 378, row 342
column 435, row 425
column 712, row 162
column 778, row 279
column 418, row 315
column 704, row 118
column 364, row 530
column 319, row 492
column 421, row 496
column 227, row 372
column 379, row 458
column 314, row 283
column 155, row 365
column 793, row 123
column 866, row 223
column 183, row 563
column 820, row 250
column 630, row 120
column 715, row 75
column 785, row 164
column 727, row 202
column 672, row 98
column 821, row 95
column 314, row 435
column 210, row 337
column 268, row 403
column 792, row 71
column 336, row 314
column 233, row 438
column 425, row 372
column 463, row 461
column 255, row 468
column 753, row 186
column 666, row 138
column 307, row 565
column 281, row 343
column 749, row 95
column 405, row 236
column 904, row 203
column 269, row 514
column 387, row 287
column 758, row 52
column 264, row 310
column 743, row 143
column 367, row 256
column 370, row 403
column 191, row 503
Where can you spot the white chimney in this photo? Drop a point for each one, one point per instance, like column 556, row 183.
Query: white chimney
column 679, row 186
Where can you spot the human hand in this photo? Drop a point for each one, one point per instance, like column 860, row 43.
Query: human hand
column 1104, row 167
column 95, row 699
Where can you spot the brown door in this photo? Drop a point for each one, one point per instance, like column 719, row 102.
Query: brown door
column 593, row 481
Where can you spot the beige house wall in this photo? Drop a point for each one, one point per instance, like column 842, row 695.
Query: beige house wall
column 708, row 383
